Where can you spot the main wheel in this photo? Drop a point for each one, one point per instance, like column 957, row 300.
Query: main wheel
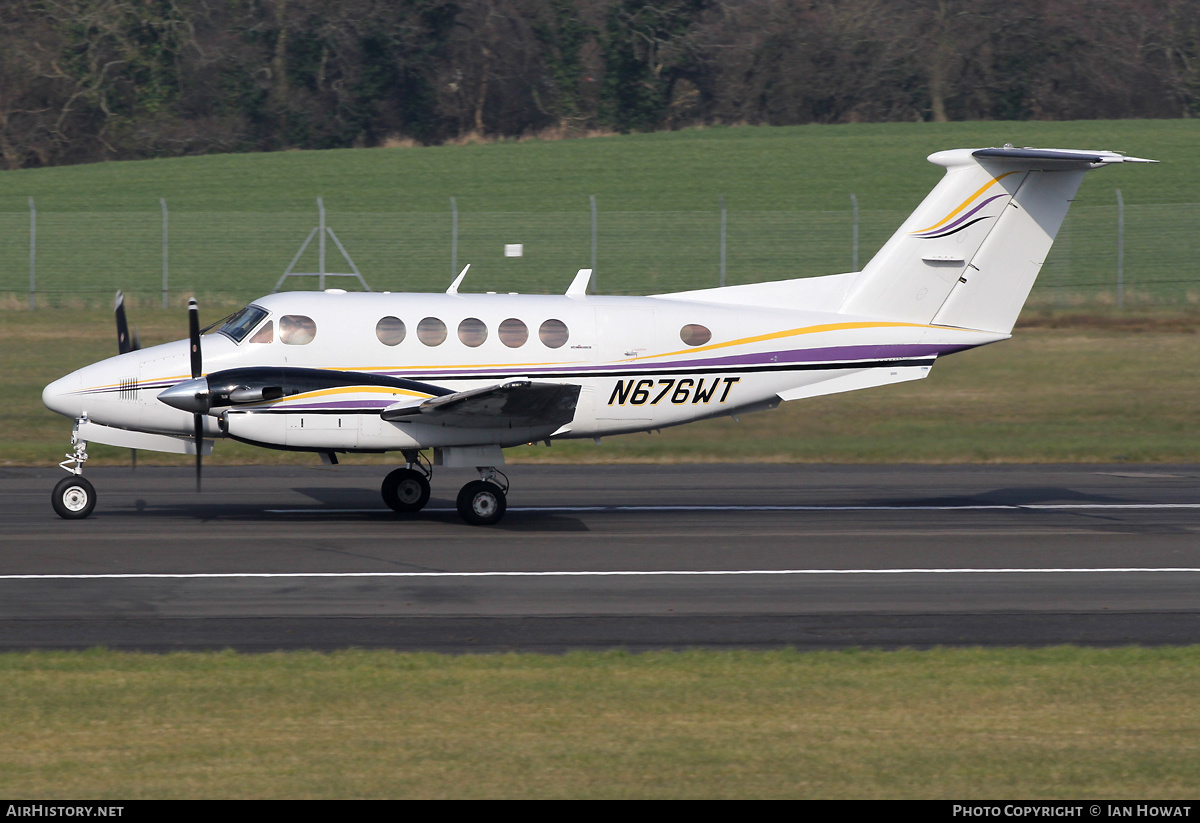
column 405, row 490
column 481, row 503
column 74, row 498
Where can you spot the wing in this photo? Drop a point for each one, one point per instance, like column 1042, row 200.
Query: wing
column 515, row 404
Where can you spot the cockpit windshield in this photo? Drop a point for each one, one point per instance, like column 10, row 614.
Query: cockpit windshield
column 239, row 324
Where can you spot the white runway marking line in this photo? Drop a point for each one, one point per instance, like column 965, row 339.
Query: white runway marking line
column 660, row 573
column 980, row 507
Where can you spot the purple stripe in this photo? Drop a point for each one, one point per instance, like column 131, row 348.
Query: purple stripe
column 941, row 229
column 831, row 354
column 349, row 405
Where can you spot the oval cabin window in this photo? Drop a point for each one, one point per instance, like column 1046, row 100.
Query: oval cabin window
column 431, row 331
column 390, row 331
column 513, row 333
column 553, row 333
column 694, row 334
column 472, row 332
column 296, row 329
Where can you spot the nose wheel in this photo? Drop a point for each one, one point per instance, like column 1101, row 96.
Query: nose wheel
column 73, row 498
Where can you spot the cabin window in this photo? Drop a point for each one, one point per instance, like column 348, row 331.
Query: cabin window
column 296, row 329
column 266, row 334
column 431, row 331
column 237, row 325
column 472, row 332
column 694, row 334
column 390, row 331
column 553, row 333
column 513, row 333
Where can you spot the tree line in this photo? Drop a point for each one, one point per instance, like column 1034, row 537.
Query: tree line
column 88, row 80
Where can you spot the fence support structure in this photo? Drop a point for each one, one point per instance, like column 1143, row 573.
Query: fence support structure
column 854, row 233
column 163, row 203
column 1120, row 250
column 321, row 274
column 32, row 255
column 453, row 239
column 592, row 201
column 721, row 279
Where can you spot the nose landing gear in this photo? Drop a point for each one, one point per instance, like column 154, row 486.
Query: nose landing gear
column 74, row 497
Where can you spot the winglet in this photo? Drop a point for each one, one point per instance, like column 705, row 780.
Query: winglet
column 454, row 286
column 580, row 284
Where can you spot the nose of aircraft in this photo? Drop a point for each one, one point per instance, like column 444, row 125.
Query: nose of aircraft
column 63, row 395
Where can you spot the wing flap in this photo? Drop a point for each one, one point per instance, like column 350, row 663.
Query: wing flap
column 515, row 404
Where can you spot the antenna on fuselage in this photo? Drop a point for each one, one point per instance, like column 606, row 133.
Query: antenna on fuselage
column 579, row 285
column 454, row 286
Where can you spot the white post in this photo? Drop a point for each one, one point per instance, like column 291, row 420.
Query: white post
column 163, row 203
column 1120, row 250
column 453, row 238
column 721, row 282
column 854, row 241
column 321, row 269
column 32, row 255
column 592, row 200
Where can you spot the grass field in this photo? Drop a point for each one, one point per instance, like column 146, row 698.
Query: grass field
column 236, row 221
column 957, row 724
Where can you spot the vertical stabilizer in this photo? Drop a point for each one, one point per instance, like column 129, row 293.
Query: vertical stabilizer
column 969, row 254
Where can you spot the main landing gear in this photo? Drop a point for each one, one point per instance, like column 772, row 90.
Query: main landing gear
column 74, row 497
column 481, row 502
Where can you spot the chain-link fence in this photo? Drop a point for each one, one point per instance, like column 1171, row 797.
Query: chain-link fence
column 1133, row 255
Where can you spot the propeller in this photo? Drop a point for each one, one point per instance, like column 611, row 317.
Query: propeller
column 125, row 344
column 197, row 369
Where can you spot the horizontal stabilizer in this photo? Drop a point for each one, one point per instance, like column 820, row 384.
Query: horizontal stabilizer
column 516, row 404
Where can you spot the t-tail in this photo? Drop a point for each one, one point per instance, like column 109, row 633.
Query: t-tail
column 968, row 256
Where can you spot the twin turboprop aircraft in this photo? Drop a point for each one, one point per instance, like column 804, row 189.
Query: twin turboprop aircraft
column 467, row 375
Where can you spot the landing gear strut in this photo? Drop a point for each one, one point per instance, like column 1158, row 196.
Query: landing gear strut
column 73, row 497
column 483, row 502
column 407, row 489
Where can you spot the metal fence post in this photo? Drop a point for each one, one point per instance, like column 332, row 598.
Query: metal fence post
column 321, row 270
column 854, row 241
column 32, row 255
column 1120, row 250
column 163, row 203
column 592, row 200
column 722, row 279
column 453, row 239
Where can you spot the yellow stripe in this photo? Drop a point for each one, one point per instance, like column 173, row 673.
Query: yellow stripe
column 964, row 203
column 789, row 333
column 354, row 390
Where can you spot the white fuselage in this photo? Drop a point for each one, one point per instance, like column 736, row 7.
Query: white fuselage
column 628, row 355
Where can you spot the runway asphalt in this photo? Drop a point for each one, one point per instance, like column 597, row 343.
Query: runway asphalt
column 614, row 556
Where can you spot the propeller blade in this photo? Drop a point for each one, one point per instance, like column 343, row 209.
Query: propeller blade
column 194, row 338
column 199, row 421
column 125, row 342
column 197, row 371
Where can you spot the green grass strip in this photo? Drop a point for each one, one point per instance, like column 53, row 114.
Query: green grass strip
column 967, row 723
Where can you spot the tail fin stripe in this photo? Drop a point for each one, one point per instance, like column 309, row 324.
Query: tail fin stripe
column 966, row 202
column 955, row 226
